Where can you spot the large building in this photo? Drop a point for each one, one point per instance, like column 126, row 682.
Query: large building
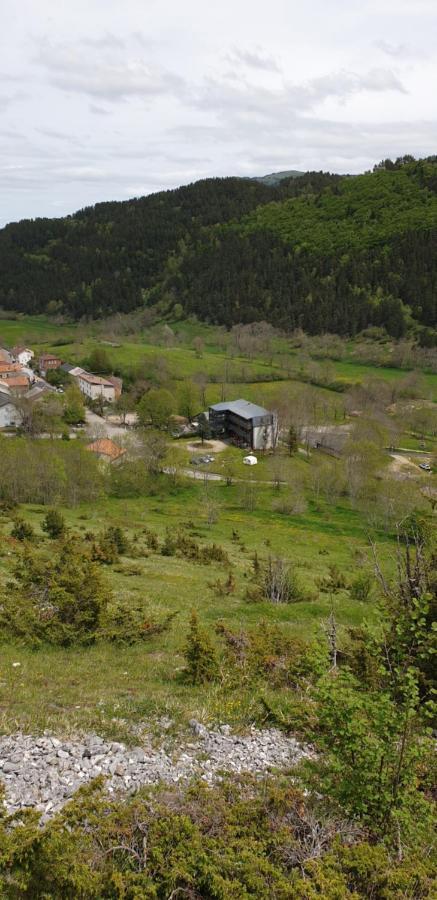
column 246, row 423
column 94, row 387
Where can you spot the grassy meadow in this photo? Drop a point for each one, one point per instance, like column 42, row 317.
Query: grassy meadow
column 107, row 687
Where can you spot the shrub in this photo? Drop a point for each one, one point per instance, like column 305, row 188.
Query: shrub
column 362, row 587
column 54, row 524
column 128, row 624
column 57, row 600
column 22, row 531
column 199, row 654
column 280, row 582
column 334, row 581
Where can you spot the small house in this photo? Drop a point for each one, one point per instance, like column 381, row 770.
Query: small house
column 94, row 387
column 106, row 450
column 48, row 363
column 18, row 384
column 22, row 355
column 10, row 415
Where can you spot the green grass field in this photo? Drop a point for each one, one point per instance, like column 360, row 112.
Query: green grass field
column 106, row 687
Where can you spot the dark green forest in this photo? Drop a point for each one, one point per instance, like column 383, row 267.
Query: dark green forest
column 321, row 252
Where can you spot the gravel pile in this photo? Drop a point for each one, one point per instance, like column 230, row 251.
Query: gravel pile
column 44, row 772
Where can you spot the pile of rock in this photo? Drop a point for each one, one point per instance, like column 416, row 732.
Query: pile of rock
column 43, row 772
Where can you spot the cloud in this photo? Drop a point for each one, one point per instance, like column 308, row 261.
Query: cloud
column 98, row 110
column 401, row 52
column 256, row 59
column 109, row 72
column 245, row 104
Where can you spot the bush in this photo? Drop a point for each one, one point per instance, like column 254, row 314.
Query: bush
column 57, row 600
column 54, row 524
column 199, row 654
column 128, row 624
column 22, row 531
column 362, row 587
column 278, row 582
column 333, row 582
column 110, row 544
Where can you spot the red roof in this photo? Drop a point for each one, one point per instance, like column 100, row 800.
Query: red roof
column 106, row 447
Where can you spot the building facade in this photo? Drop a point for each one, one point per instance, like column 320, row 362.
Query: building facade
column 22, row 355
column 10, row 415
column 47, row 363
column 94, row 387
column 246, row 423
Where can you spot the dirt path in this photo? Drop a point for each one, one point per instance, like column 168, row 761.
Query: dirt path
column 403, row 466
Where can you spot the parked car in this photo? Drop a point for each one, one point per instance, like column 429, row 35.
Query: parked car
column 425, row 466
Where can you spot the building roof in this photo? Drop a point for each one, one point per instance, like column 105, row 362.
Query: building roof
column 5, row 399
column 18, row 381
column 95, row 379
column 106, row 447
column 5, row 356
column 243, row 408
column 9, row 367
column 39, row 389
column 46, row 356
column 16, row 350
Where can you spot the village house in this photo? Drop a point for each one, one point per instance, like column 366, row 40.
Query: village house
column 246, row 423
column 18, row 384
column 5, row 356
column 10, row 415
column 9, row 370
column 48, row 363
column 22, row 355
column 94, row 387
column 106, row 450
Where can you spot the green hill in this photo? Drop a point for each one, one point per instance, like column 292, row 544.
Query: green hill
column 360, row 251
column 322, row 252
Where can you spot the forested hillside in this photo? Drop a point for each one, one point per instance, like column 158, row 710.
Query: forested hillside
column 103, row 258
column 353, row 254
column 321, row 252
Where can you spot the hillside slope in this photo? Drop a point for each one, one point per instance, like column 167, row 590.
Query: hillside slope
column 103, row 258
column 321, row 252
column 353, row 254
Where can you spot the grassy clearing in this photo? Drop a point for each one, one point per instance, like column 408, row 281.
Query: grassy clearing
column 107, row 687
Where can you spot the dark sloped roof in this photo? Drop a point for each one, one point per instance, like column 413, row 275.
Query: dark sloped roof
column 5, row 399
column 243, row 408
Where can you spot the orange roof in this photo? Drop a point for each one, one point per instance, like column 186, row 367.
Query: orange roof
column 9, row 367
column 106, row 447
column 94, row 379
column 18, row 381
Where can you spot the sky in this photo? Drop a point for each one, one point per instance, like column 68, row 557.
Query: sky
column 112, row 99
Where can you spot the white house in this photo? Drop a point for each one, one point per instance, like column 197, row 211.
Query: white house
column 9, row 413
column 22, row 355
column 94, row 387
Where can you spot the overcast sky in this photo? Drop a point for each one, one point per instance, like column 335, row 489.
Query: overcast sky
column 110, row 99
